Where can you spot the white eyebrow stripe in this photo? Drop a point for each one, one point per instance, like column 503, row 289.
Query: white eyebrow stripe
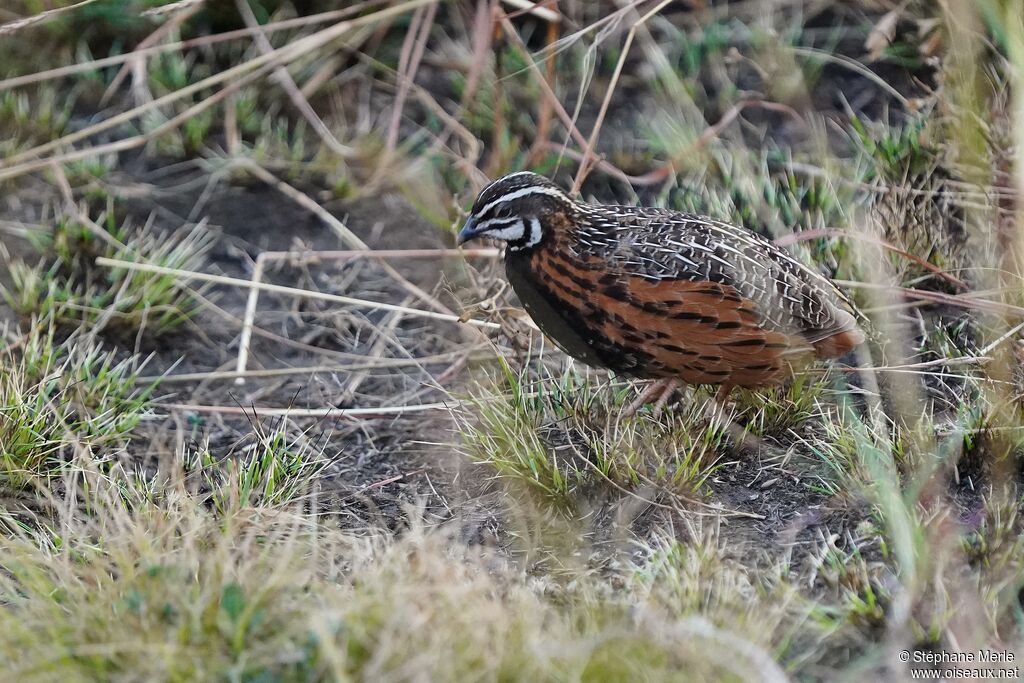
column 512, row 175
column 524, row 192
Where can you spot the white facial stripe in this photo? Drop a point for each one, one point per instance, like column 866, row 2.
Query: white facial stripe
column 524, row 192
column 535, row 233
column 512, row 233
column 496, row 224
column 512, row 230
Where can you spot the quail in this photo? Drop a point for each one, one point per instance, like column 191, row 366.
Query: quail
column 659, row 294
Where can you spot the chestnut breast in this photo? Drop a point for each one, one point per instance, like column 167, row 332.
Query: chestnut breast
column 702, row 332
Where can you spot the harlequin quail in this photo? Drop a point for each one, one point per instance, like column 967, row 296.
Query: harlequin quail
column 659, row 294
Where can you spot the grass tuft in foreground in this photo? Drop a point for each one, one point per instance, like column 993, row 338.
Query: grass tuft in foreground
column 58, row 396
column 146, row 581
column 561, row 435
column 271, row 467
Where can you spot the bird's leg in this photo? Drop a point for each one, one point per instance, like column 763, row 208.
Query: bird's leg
column 650, row 391
column 723, row 393
column 669, row 388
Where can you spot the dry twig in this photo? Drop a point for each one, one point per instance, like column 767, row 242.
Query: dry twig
column 18, row 24
column 286, row 82
column 290, row 291
column 588, row 149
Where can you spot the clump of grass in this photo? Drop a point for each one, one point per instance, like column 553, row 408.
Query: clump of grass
column 103, row 391
column 72, row 290
column 53, row 395
column 30, row 434
column 271, row 467
column 702, row 576
column 200, row 595
column 895, row 152
column 30, row 120
column 743, row 187
column 916, row 448
column 773, row 410
column 917, row 204
column 862, row 584
column 562, row 436
column 997, row 539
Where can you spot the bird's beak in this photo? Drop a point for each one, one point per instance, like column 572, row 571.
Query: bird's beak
column 468, row 231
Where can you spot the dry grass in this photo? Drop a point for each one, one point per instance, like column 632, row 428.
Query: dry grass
column 181, row 592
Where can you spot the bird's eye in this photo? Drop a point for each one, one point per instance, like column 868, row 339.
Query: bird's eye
column 505, row 212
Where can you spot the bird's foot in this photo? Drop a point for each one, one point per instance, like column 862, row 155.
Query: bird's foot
column 659, row 391
column 664, row 397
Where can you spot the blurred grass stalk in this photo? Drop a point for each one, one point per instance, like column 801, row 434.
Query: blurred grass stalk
column 917, row 508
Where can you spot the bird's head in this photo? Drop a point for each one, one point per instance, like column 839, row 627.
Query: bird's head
column 518, row 209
